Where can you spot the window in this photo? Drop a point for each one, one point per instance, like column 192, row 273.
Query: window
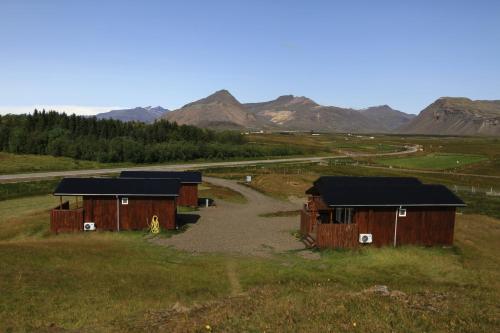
column 344, row 215
column 124, row 201
column 402, row 212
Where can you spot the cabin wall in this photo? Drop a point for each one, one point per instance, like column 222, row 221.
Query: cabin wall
column 139, row 212
column 421, row 225
column 426, row 226
column 101, row 210
column 134, row 216
column 377, row 221
column 188, row 195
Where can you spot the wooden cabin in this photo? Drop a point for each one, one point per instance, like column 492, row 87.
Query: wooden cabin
column 347, row 212
column 188, row 193
column 115, row 204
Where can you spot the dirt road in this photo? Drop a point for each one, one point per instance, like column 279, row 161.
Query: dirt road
column 238, row 228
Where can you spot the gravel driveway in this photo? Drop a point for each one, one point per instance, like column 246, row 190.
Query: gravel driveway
column 237, row 228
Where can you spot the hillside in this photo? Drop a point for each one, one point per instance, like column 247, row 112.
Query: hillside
column 219, row 110
column 287, row 112
column 387, row 117
column 301, row 113
column 457, row 116
column 146, row 114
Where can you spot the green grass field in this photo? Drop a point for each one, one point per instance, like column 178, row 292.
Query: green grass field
column 122, row 282
column 104, row 282
column 29, row 188
column 433, row 161
column 12, row 163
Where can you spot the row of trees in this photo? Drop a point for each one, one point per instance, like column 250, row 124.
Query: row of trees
column 88, row 138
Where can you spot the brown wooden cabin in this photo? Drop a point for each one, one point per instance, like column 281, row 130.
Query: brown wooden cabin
column 347, row 212
column 116, row 204
column 188, row 194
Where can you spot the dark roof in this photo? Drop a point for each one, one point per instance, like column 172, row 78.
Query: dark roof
column 184, row 176
column 382, row 191
column 118, row 186
column 334, row 181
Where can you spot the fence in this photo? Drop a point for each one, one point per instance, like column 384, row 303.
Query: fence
column 337, row 235
column 63, row 219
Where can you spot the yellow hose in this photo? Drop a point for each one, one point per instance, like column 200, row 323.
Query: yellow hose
column 154, row 227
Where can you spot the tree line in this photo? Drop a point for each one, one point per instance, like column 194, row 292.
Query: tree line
column 106, row 140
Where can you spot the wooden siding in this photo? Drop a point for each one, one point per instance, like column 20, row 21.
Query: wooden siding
column 138, row 213
column 134, row 216
column 188, row 195
column 425, row 226
column 377, row 221
column 101, row 211
column 337, row 235
column 63, row 219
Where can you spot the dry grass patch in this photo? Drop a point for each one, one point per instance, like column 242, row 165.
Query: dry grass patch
column 208, row 190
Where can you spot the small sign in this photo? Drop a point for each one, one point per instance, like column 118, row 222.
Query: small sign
column 248, row 179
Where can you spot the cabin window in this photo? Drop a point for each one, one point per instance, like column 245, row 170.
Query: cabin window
column 402, row 212
column 344, row 215
column 124, row 201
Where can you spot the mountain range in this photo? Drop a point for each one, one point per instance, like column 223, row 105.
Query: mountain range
column 221, row 110
column 146, row 114
column 288, row 112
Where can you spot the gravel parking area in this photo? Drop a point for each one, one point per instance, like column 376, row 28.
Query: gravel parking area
column 237, row 228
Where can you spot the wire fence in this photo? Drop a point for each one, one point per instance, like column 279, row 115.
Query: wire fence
column 304, row 168
column 475, row 189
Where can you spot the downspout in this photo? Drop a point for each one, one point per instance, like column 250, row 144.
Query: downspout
column 117, row 214
column 396, row 227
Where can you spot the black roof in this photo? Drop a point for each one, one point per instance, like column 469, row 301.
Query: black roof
column 118, row 186
column 334, row 181
column 184, row 176
column 382, row 191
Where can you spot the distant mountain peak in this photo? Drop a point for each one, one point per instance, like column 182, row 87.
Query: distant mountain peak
column 218, row 110
column 457, row 116
column 221, row 96
column 146, row 114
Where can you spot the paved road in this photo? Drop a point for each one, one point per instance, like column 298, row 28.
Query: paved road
column 238, row 228
column 186, row 166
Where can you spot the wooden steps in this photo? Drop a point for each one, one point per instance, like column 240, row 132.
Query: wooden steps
column 309, row 241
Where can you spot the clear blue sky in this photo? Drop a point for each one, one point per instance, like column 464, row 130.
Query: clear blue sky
column 345, row 53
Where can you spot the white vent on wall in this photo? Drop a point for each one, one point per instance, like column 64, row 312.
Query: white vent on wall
column 402, row 212
column 365, row 238
column 124, row 201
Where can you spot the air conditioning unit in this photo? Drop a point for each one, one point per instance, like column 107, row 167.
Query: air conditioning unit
column 89, row 226
column 365, row 238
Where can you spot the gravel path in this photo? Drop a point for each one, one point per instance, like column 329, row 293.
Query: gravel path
column 237, row 228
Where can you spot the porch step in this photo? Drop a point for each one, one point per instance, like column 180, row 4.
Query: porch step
column 308, row 241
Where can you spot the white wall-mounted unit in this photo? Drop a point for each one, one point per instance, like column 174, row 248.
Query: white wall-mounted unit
column 89, row 226
column 365, row 238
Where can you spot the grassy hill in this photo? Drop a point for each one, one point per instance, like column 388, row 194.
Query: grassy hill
column 121, row 282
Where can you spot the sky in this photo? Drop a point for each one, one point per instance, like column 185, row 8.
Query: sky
column 91, row 56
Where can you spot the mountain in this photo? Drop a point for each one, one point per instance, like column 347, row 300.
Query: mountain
column 288, row 112
column 219, row 110
column 387, row 117
column 456, row 116
column 146, row 114
column 301, row 113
